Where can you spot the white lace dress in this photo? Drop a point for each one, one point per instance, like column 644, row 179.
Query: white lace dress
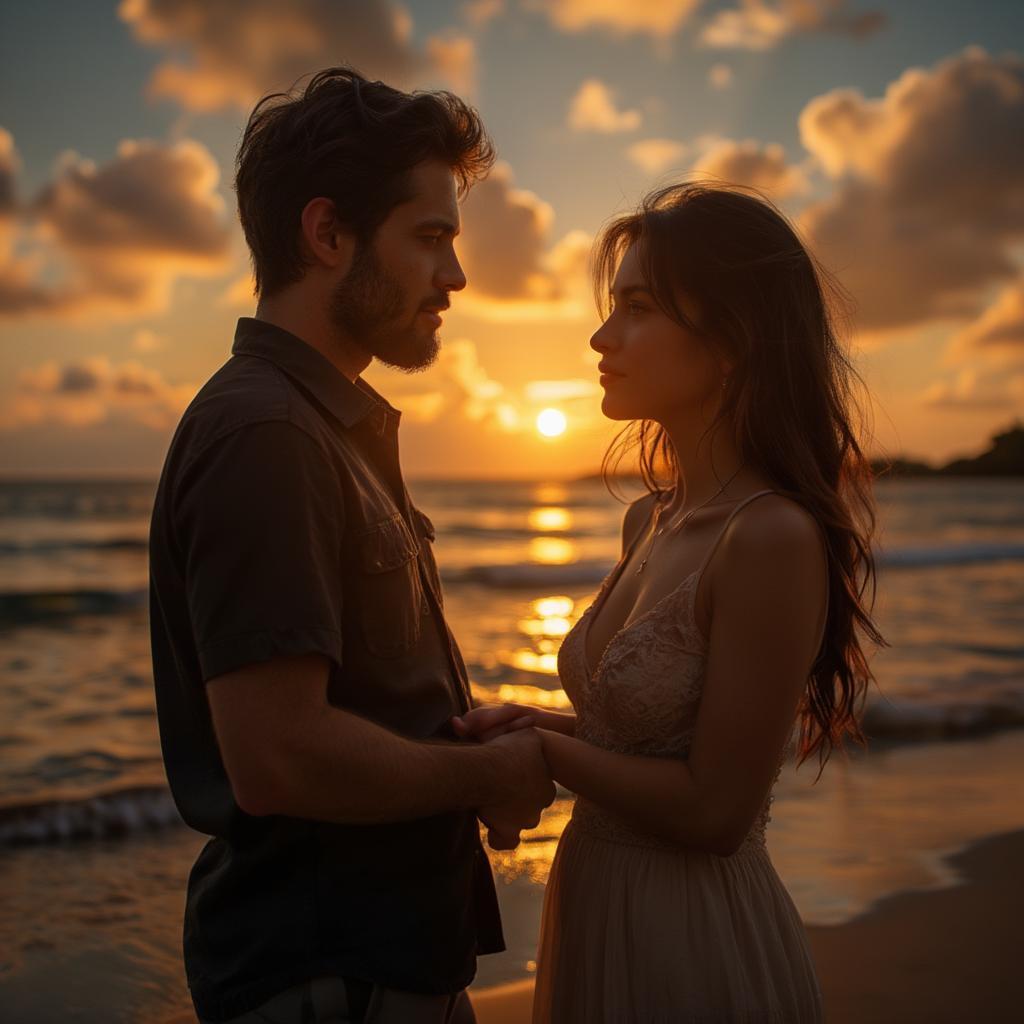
column 634, row 929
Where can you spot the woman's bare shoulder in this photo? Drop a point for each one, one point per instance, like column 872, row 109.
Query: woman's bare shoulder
column 773, row 529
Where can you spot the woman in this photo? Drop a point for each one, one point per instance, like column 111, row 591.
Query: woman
column 731, row 613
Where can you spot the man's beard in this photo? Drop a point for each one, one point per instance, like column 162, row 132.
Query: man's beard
column 367, row 305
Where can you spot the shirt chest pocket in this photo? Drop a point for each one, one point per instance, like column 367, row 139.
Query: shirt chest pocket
column 390, row 592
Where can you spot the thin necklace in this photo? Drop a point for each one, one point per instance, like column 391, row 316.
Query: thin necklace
column 657, row 531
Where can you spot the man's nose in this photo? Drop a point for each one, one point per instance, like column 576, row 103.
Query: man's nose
column 451, row 276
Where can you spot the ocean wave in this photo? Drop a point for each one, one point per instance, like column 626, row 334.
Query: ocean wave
column 530, row 574
column 135, row 809
column 908, row 722
column 951, row 554
column 123, row 812
column 52, row 545
column 19, row 607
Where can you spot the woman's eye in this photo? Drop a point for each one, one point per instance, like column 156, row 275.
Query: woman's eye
column 432, row 239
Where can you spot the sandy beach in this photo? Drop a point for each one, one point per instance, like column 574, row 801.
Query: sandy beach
column 948, row 956
column 945, row 956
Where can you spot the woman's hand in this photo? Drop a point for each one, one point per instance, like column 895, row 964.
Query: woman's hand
column 493, row 720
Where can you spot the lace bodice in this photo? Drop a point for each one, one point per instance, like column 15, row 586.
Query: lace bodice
column 643, row 695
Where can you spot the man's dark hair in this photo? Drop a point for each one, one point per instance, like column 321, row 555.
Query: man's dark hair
column 349, row 140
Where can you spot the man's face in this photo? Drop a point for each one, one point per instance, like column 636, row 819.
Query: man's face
column 390, row 300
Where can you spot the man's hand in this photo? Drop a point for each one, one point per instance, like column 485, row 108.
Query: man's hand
column 530, row 787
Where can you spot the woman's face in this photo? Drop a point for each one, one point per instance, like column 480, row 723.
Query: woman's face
column 651, row 367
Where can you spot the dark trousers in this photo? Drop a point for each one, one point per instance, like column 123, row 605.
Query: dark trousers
column 331, row 1000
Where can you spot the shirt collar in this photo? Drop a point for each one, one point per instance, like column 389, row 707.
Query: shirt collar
column 348, row 401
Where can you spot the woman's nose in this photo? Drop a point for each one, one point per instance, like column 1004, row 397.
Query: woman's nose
column 600, row 340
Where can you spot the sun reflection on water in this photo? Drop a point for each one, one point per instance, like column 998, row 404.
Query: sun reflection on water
column 550, row 517
column 548, row 621
column 552, row 550
column 532, row 858
column 550, row 494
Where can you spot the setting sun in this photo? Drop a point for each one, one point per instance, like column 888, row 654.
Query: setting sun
column 551, row 422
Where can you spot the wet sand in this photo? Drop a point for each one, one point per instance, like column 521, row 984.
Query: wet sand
column 945, row 956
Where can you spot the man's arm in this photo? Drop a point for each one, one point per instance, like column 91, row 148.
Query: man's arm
column 287, row 751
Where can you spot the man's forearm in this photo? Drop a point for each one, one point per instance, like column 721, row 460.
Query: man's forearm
column 347, row 769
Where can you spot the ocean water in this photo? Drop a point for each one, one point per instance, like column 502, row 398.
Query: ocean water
column 93, row 858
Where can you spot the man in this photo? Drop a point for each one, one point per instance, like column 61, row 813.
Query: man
column 305, row 675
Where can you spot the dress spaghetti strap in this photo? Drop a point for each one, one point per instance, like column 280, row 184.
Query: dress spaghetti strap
column 714, row 544
column 721, row 533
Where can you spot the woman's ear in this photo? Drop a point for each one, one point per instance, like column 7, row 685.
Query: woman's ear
column 726, row 364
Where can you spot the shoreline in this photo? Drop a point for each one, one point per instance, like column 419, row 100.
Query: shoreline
column 945, row 956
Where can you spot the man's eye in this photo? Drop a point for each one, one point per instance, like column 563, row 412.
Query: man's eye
column 634, row 307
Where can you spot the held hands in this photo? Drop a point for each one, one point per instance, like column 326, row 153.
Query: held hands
column 507, row 729
column 491, row 721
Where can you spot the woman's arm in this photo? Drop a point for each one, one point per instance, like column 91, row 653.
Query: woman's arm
column 768, row 600
column 562, row 722
column 657, row 794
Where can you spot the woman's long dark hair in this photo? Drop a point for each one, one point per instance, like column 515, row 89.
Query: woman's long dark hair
column 768, row 306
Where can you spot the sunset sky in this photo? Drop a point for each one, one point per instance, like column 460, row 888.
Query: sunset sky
column 893, row 134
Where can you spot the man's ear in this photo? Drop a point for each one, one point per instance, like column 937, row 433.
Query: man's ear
column 325, row 240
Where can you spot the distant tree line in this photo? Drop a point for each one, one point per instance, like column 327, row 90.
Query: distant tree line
column 1004, row 457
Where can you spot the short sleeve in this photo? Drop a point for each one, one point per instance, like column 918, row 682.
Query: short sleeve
column 259, row 518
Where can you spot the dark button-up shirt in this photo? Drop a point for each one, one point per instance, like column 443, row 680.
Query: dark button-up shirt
column 282, row 525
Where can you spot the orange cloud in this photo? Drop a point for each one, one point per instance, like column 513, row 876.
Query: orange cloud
column 974, row 390
column 505, row 233
column 927, row 210
column 453, row 54
column 241, row 291
column 593, row 109
column 237, row 50
column 720, row 76
column 650, row 17
column 145, row 340
column 119, row 234
column 505, row 251
column 762, row 167
column 656, row 155
column 92, row 391
column 480, row 12
column 998, row 334
column 761, row 25
column 8, row 166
